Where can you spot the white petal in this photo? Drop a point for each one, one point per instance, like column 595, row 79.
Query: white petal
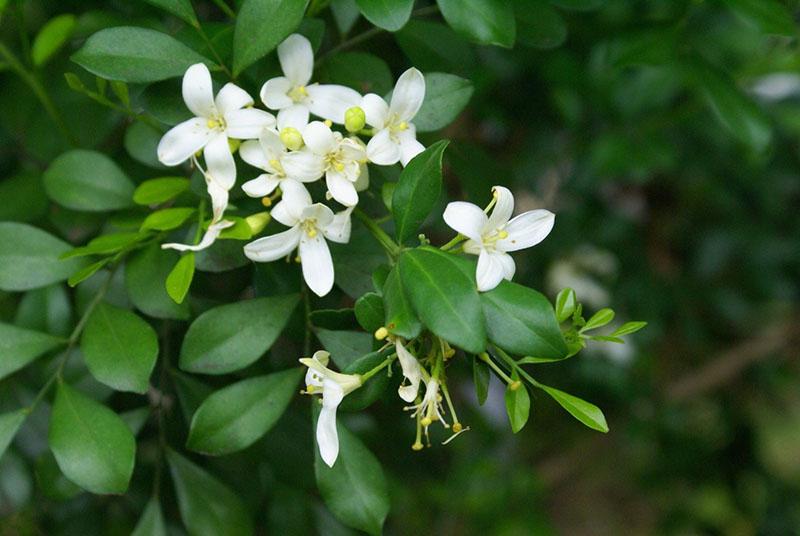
column 330, row 101
column 274, row 93
column 382, row 149
column 408, row 94
column 183, row 140
column 327, row 436
column 219, row 199
column 353, row 149
column 248, row 123
column 295, row 116
column 303, row 166
column 321, row 214
column 273, row 247
column 319, row 138
column 231, row 97
column 503, row 209
column 341, row 189
column 411, row 371
column 198, row 93
column 409, row 146
column 466, row 218
column 527, row 229
column 209, row 238
column 315, row 258
column 490, row 271
column 509, row 268
column 220, row 166
column 261, row 186
column 376, row 110
column 253, row 153
column 271, row 144
column 296, row 195
column 472, row 247
column 297, row 59
column 339, row 228
column 362, row 183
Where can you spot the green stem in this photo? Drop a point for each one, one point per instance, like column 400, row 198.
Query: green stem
column 500, row 372
column 225, row 8
column 514, row 366
column 105, row 101
column 385, row 363
column 454, row 242
column 380, row 235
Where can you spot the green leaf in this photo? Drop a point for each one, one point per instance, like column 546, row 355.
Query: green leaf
column 369, row 312
column 160, row 190
column 88, row 181
column 444, row 296
column 141, row 140
column 119, row 348
column 51, row 481
column 345, row 347
column 417, row 191
column 336, row 319
column 46, row 309
column 391, row 15
column 180, row 8
column 587, row 413
column 9, row 424
column 253, row 38
column 518, row 405
column 345, row 13
column 22, row 198
column 565, row 304
column 52, row 37
column 432, row 46
column 167, row 219
column 770, row 16
column 19, row 346
column 579, row 5
column 144, row 272
column 368, row 393
column 180, row 278
column 94, row 448
column 627, row 328
column 86, row 272
column 106, row 244
column 152, row 521
column 488, row 22
column 521, row 321
column 232, row 336
column 539, row 25
column 135, row 419
column 355, row 488
column 208, row 507
column 481, row 376
column 235, row 417
column 136, row 55
column 362, row 71
column 445, row 96
column 598, row 320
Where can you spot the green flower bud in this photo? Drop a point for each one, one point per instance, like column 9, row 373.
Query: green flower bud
column 292, row 138
column 354, row 119
column 258, row 221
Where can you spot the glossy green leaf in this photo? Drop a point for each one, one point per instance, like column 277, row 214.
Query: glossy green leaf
column 235, row 417
column 566, row 301
column 599, row 319
column 345, row 347
column 136, row 55
column 144, row 273
column 86, row 272
column 29, row 258
column 53, row 35
column 94, row 448
column 180, row 278
column 488, row 22
column 538, row 24
column 119, row 348
column 141, row 140
column 446, row 95
column 87, row 181
column 167, row 219
column 232, row 336
column 152, row 521
column 207, row 506
column 345, row 14
column 19, row 346
column 336, row 319
column 370, row 312
column 156, row 191
column 518, row 405
column 770, row 16
column 253, row 39
column 51, row 481
column 400, row 316
column 587, row 413
column 444, row 297
column 433, row 46
column 390, row 15
column 579, row 5
column 46, row 309
column 180, row 8
column 627, row 328
column 417, row 191
column 361, row 71
column 135, row 419
column 106, row 244
column 374, row 388
column 9, row 424
column 481, row 376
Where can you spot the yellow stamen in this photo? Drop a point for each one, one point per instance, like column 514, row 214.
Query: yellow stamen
column 515, row 385
column 457, row 427
column 417, row 446
column 381, row 333
column 266, row 201
column 426, row 421
column 338, row 166
column 328, row 123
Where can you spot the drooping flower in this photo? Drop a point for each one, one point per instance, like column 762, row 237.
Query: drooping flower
column 292, row 93
column 311, row 224
column 430, row 409
column 411, row 372
column 492, row 237
column 342, row 161
column 333, row 386
column 395, row 135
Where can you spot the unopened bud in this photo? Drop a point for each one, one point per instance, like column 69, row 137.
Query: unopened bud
column 258, row 221
column 381, row 333
column 515, row 385
column 291, row 138
column 354, row 119
column 233, row 144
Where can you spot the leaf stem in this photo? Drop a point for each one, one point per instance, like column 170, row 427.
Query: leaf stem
column 483, row 356
column 213, row 50
column 513, row 364
column 370, row 373
column 454, row 242
column 391, row 247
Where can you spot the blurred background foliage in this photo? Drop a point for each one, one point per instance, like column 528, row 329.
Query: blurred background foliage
column 663, row 133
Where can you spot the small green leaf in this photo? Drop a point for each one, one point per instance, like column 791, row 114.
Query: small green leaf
column 180, row 8
column 106, row 244
column 627, row 328
column 565, row 304
column 144, row 272
column 9, row 424
column 207, row 506
column 86, row 272
column 167, row 219
column 47, row 309
column 345, row 347
column 19, row 346
column 606, row 338
column 235, row 417
column 368, row 393
column 369, row 312
column 152, row 521
column 253, row 39
column 87, row 181
column 94, row 448
column 481, row 376
column 418, row 190
column 232, row 336
column 598, row 320
column 518, row 405
column 180, row 278
column 400, row 316
column 391, row 15
column 445, row 96
column 52, row 37
column 119, row 348
column 160, row 190
column 345, row 13
column 488, row 22
column 587, row 413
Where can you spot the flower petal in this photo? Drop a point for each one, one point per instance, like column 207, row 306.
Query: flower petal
column 339, row 228
column 408, row 94
column 327, row 435
column 376, row 110
column 527, row 229
column 248, row 123
column 509, row 267
column 261, row 186
column 321, row 214
column 382, row 149
column 330, row 101
column 315, row 258
column 297, row 59
column 341, row 189
column 411, row 371
column 219, row 199
column 296, row 195
column 362, row 182
column 210, row 236
column 466, row 218
column 183, row 140
column 220, row 166
column 490, row 271
column 303, row 166
column 409, row 146
column 319, row 138
column 198, row 93
column 274, row 93
column 295, row 116
column 271, row 144
column 253, row 153
column 231, row 97
column 273, row 247
column 503, row 208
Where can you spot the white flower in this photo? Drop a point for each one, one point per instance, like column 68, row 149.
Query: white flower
column 430, row 409
column 411, row 372
column 310, row 225
column 396, row 136
column 292, row 94
column 267, row 153
column 341, row 159
column 333, row 386
column 491, row 238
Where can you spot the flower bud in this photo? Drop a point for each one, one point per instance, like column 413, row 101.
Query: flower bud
column 381, row 333
column 354, row 119
column 292, row 138
column 233, row 144
column 258, row 221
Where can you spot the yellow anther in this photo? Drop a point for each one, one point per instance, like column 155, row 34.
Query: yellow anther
column 212, row 123
column 502, row 234
column 426, row 421
column 266, row 201
column 381, row 333
column 495, row 193
column 402, row 126
column 309, row 389
column 297, row 259
column 328, row 123
column 291, row 138
column 312, row 232
column 298, row 93
column 275, row 163
column 457, row 427
column 338, row 166
column 417, row 446
column 515, row 385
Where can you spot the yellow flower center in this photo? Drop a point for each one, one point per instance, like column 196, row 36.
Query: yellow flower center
column 298, row 93
column 310, row 227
